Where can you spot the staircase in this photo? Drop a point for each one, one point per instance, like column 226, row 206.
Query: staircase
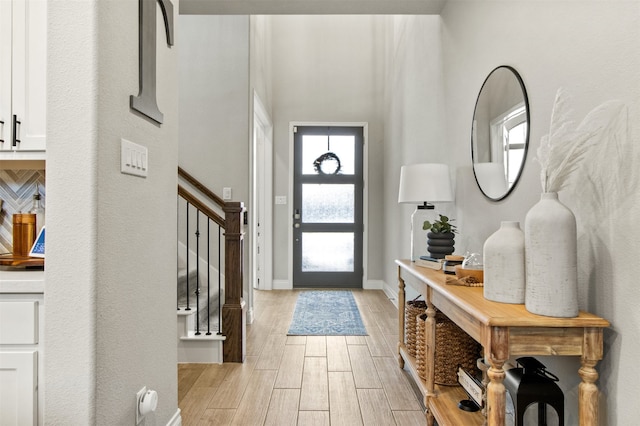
column 207, row 345
column 211, row 314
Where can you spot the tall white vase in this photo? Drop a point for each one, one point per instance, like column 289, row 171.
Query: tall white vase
column 504, row 272
column 551, row 259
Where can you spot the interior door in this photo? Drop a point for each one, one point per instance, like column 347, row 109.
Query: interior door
column 327, row 206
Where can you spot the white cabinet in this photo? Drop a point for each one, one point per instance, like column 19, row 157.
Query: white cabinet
column 23, row 76
column 21, row 359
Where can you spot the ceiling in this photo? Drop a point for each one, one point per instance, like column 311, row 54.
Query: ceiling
column 310, row 7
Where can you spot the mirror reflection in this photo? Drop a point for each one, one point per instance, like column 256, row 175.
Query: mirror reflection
column 500, row 132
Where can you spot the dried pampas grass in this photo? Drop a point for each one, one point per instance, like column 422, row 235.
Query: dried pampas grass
column 562, row 150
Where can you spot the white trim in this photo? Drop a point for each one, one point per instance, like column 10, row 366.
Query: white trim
column 176, row 420
column 373, row 285
column 282, row 285
column 261, row 117
column 392, row 293
column 365, row 190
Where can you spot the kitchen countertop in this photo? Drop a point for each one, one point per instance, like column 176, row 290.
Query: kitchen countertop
column 21, row 281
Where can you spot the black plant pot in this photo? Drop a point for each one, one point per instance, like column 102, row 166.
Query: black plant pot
column 440, row 244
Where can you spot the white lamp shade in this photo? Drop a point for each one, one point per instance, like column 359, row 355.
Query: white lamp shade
column 429, row 182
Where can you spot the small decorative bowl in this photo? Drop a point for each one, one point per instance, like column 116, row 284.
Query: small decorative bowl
column 477, row 274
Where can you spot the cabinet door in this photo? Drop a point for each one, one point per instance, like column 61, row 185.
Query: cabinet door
column 5, row 75
column 18, row 388
column 29, row 75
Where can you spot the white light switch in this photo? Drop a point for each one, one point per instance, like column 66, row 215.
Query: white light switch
column 281, row 199
column 134, row 158
column 226, row 193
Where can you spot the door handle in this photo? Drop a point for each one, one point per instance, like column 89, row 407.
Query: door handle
column 296, row 225
column 2, row 124
column 16, row 141
column 296, row 214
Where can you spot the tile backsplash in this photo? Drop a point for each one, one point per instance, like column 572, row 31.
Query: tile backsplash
column 16, row 190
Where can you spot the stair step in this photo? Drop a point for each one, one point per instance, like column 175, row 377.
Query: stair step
column 203, row 336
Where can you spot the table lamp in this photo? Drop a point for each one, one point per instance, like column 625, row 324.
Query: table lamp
column 422, row 184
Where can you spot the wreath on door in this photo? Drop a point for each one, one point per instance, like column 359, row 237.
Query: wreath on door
column 323, row 164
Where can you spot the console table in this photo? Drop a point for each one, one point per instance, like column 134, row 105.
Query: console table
column 504, row 331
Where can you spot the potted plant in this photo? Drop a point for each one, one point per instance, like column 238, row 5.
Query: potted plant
column 440, row 238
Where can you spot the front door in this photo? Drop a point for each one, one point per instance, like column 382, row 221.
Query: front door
column 327, row 206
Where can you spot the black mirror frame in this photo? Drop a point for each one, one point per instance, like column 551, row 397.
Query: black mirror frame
column 526, row 145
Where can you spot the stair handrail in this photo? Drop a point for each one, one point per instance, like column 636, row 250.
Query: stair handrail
column 200, row 187
column 233, row 310
column 193, row 200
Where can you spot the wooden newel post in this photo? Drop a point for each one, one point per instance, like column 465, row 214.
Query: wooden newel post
column 234, row 322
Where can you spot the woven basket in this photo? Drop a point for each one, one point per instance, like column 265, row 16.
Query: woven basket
column 454, row 348
column 412, row 310
column 421, row 346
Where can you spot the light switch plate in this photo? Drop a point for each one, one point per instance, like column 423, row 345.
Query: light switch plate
column 281, row 199
column 134, row 158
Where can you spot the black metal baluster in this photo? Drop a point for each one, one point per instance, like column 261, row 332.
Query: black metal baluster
column 208, row 277
column 198, row 272
column 219, row 286
column 188, row 308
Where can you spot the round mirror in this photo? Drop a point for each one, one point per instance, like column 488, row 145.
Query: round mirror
column 500, row 133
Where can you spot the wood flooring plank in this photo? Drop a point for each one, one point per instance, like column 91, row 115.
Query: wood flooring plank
column 337, row 354
column 290, row 368
column 194, row 404
column 283, row 408
column 187, row 376
column 374, row 407
column 213, row 375
column 399, row 392
column 410, row 418
column 232, row 389
column 252, row 409
column 314, row 395
column 296, row 340
column 313, row 418
column 217, row 417
column 356, row 340
column 364, row 371
column 377, row 344
column 272, row 353
column 316, row 346
column 344, row 408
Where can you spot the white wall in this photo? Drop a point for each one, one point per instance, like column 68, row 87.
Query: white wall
column 327, row 69
column 592, row 49
column 214, row 101
column 414, row 124
column 110, row 277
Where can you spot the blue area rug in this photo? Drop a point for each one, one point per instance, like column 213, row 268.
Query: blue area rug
column 326, row 313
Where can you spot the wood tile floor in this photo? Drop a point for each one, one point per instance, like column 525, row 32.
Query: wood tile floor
column 298, row 380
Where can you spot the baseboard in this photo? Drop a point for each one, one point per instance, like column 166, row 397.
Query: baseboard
column 392, row 293
column 373, row 285
column 282, row 285
column 176, row 420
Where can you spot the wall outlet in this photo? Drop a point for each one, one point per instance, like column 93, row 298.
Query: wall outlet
column 139, row 396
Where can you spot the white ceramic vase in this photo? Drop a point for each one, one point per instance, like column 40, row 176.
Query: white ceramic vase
column 504, row 271
column 551, row 259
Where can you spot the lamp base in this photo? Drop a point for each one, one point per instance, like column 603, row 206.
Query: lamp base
column 419, row 235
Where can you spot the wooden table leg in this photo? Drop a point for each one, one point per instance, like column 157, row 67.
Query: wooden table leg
column 401, row 308
column 430, row 341
column 496, row 392
column 588, row 390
